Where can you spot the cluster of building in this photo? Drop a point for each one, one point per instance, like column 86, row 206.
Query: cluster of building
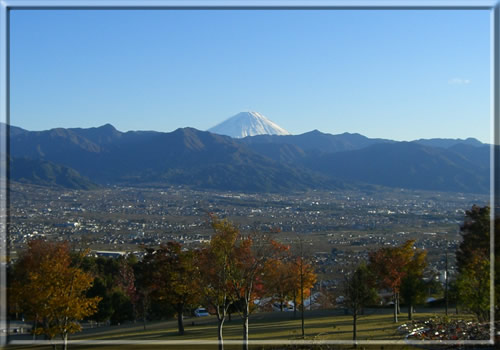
column 338, row 229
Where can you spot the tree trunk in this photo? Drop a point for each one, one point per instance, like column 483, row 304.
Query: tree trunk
column 294, row 305
column 302, row 321
column 245, row 326
column 180, row 318
column 144, row 314
column 395, row 308
column 65, row 341
column 302, row 295
column 219, row 334
column 397, row 302
column 302, row 316
column 410, row 312
column 35, row 325
column 354, row 325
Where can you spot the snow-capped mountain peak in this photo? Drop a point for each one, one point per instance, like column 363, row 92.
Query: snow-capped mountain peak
column 248, row 124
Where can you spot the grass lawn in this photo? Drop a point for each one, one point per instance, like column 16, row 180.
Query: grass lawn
column 267, row 330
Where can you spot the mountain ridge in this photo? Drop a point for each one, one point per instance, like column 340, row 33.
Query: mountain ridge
column 270, row 163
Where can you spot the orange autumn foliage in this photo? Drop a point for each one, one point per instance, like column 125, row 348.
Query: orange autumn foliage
column 50, row 290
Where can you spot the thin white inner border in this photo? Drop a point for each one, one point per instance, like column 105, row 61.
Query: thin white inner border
column 7, row 5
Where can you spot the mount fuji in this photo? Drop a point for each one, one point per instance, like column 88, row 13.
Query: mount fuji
column 248, row 124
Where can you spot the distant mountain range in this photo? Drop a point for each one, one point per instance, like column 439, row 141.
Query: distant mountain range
column 82, row 158
column 44, row 173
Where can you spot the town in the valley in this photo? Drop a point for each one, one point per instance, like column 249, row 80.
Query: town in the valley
column 338, row 229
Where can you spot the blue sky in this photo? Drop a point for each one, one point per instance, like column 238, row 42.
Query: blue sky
column 401, row 75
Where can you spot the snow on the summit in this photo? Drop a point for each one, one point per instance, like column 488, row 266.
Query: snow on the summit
column 248, row 124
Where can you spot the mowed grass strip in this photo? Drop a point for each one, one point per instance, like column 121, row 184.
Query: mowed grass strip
column 276, row 327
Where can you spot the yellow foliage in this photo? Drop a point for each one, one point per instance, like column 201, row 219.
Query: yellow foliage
column 51, row 291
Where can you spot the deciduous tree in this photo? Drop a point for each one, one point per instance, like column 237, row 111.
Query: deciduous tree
column 278, row 279
column 473, row 262
column 126, row 283
column 474, row 286
column 115, row 283
column 390, row 265
column 145, row 274
column 52, row 290
column 252, row 252
column 412, row 285
column 359, row 291
column 216, row 261
column 175, row 277
column 475, row 235
column 303, row 279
